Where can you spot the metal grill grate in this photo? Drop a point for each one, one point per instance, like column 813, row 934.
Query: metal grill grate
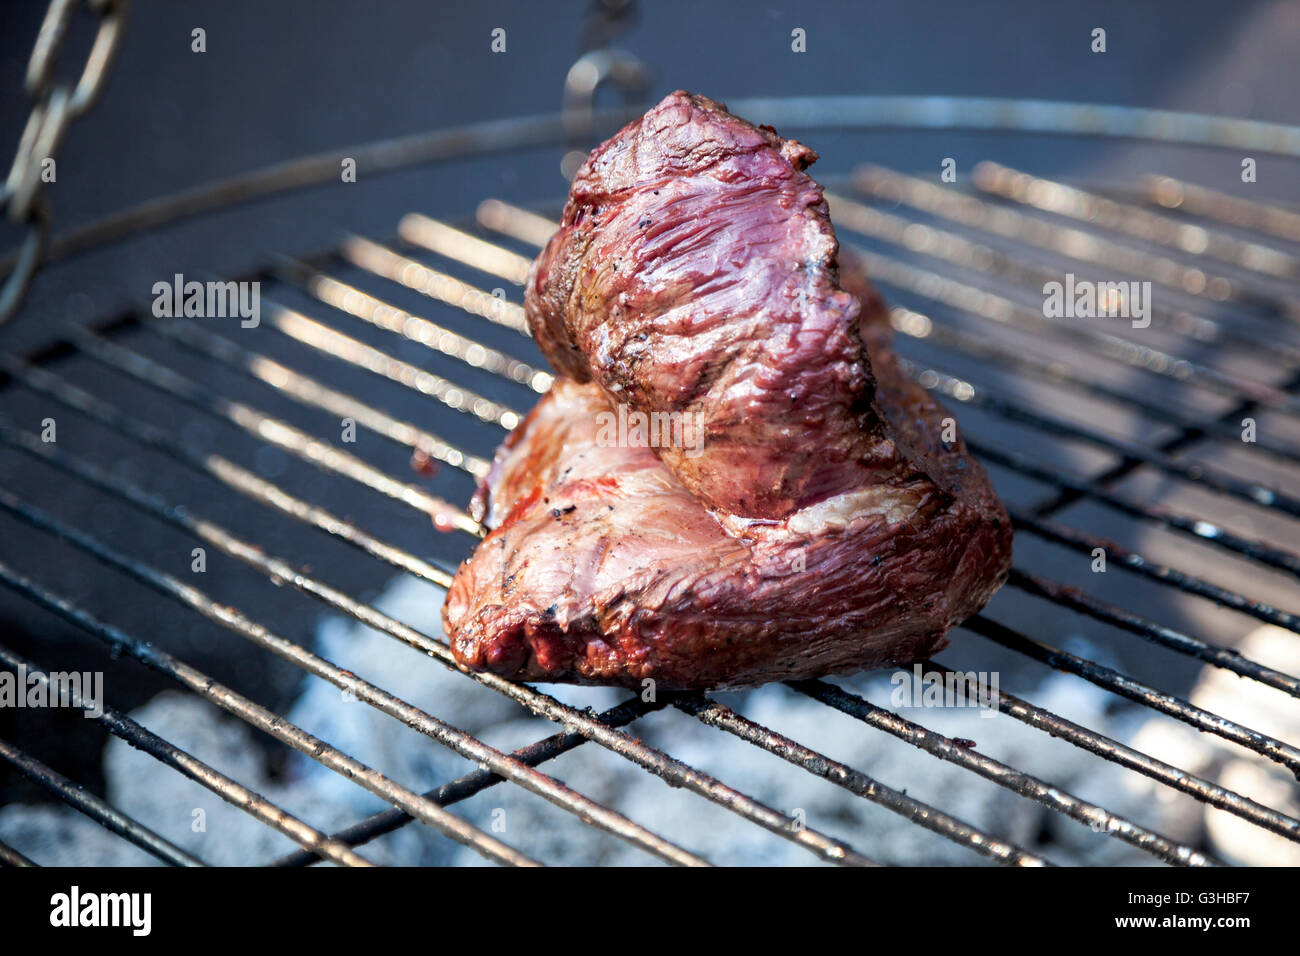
column 1160, row 410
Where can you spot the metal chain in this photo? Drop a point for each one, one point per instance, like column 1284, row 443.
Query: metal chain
column 54, row 106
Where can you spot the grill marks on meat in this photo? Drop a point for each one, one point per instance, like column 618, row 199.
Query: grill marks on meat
column 695, row 272
column 826, row 528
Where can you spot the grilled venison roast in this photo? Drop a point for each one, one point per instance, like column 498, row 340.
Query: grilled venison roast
column 806, row 519
column 694, row 271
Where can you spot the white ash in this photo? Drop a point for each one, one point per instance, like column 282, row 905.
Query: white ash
column 1253, row 705
column 165, row 801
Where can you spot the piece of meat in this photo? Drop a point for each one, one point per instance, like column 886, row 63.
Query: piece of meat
column 695, row 273
column 823, row 525
column 603, row 568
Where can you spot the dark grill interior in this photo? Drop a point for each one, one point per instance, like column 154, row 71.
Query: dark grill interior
column 1097, row 434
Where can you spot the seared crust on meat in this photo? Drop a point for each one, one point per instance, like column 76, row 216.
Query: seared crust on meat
column 602, row 567
column 695, row 272
column 824, row 525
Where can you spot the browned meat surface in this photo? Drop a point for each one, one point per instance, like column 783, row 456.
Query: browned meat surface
column 695, row 272
column 602, row 567
column 825, row 527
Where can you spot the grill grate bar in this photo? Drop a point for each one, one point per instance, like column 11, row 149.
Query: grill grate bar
column 453, row 243
column 1192, row 472
column 308, row 391
column 994, row 308
column 1202, row 530
column 143, row 739
column 362, row 305
column 1083, row 738
column 1084, row 603
column 991, row 307
column 715, row 715
column 11, row 857
column 1184, row 438
column 205, row 530
column 462, row 788
column 87, row 803
column 311, row 392
column 428, row 281
column 1071, row 202
column 214, row 466
column 252, row 713
column 270, row 429
column 381, row 363
column 1132, row 561
column 674, row 771
column 963, row 391
column 1124, row 686
column 462, row 743
column 1090, row 814
column 515, row 222
column 1171, row 193
column 248, row 553
column 578, row 726
column 949, row 247
column 325, row 341
column 1076, row 244
column 921, row 327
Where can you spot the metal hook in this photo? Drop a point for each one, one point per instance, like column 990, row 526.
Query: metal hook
column 593, row 70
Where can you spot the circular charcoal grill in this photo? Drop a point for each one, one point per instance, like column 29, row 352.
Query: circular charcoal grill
column 1105, row 440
